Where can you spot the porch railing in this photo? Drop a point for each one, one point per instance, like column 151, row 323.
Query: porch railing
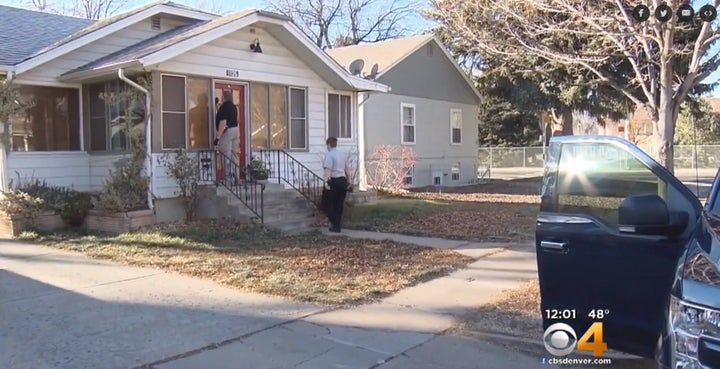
column 283, row 167
column 220, row 169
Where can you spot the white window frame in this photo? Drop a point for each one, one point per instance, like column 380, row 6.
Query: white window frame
column 352, row 114
column 162, row 112
column 410, row 174
column 453, row 112
column 402, row 124
column 455, row 170
column 290, row 118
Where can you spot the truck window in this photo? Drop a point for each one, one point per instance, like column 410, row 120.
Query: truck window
column 594, row 177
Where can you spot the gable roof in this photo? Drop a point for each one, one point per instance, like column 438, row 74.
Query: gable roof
column 94, row 30
column 20, row 37
column 152, row 45
column 182, row 39
column 388, row 54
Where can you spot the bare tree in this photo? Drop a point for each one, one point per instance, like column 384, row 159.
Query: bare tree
column 97, row 9
column 41, row 5
column 668, row 61
column 334, row 23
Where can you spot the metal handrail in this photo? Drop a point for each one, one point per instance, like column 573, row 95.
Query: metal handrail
column 233, row 178
column 285, row 168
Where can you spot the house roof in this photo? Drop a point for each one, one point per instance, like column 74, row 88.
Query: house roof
column 387, row 54
column 177, row 41
column 21, row 38
column 152, row 45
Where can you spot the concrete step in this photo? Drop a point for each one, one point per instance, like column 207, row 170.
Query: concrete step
column 287, row 216
column 291, row 227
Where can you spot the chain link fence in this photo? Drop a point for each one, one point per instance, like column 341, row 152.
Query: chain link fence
column 686, row 157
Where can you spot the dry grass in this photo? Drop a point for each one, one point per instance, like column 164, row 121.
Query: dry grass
column 501, row 211
column 310, row 267
column 515, row 312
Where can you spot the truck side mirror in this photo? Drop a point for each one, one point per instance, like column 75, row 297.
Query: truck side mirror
column 644, row 214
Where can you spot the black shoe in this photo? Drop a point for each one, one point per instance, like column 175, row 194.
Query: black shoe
column 335, row 230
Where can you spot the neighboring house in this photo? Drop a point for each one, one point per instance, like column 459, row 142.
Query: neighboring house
column 432, row 108
column 69, row 135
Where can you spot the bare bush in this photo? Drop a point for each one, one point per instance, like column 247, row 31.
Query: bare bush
column 387, row 167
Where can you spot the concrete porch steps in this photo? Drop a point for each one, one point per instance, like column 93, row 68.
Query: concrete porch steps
column 284, row 208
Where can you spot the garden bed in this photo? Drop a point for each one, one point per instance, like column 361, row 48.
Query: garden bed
column 98, row 221
column 13, row 225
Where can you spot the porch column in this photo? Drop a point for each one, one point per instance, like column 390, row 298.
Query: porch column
column 3, row 161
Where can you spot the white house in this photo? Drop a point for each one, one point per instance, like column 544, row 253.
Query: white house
column 281, row 82
column 432, row 107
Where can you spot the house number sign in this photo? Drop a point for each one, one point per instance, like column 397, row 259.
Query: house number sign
column 232, row 73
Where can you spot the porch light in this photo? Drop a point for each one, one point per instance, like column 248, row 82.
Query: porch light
column 255, row 46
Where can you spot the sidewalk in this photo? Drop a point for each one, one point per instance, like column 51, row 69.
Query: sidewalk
column 64, row 310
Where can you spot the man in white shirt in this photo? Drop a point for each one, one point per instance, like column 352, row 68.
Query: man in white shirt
column 336, row 176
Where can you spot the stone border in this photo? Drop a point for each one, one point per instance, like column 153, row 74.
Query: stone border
column 12, row 225
column 98, row 221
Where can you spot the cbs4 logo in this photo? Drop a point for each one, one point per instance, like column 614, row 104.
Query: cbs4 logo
column 560, row 340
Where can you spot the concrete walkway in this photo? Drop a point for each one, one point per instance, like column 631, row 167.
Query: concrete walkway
column 63, row 310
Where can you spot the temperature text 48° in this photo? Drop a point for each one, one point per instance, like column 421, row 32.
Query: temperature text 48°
column 598, row 313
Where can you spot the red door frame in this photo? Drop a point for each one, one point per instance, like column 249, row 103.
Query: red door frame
column 240, row 99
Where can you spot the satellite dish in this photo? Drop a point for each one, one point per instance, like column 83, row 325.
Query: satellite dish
column 373, row 72
column 356, row 67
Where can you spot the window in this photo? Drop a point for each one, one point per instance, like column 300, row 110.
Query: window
column 455, row 126
column 407, row 118
column 298, row 118
column 114, row 115
column 455, row 172
column 174, row 116
column 198, row 103
column 593, row 178
column 339, row 116
column 269, row 118
column 50, row 121
column 408, row 179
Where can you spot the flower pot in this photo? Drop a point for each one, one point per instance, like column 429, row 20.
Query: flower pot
column 259, row 175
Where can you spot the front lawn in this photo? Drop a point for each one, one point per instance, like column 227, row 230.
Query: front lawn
column 502, row 211
column 309, row 267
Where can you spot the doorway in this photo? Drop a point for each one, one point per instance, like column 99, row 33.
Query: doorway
column 239, row 93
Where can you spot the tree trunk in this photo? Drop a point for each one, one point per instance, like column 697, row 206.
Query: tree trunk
column 664, row 122
column 567, row 120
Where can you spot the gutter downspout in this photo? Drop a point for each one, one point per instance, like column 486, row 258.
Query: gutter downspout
column 362, row 171
column 3, row 155
column 148, row 137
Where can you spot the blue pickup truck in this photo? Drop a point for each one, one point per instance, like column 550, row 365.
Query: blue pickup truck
column 617, row 233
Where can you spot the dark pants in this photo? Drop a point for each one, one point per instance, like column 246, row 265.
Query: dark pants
column 336, row 201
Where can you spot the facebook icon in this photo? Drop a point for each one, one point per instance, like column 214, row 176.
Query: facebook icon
column 641, row 13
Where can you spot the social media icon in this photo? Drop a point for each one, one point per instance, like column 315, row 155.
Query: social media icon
column 641, row 13
column 685, row 13
column 708, row 13
column 663, row 13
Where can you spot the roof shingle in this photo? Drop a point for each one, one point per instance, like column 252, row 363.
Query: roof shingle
column 24, row 33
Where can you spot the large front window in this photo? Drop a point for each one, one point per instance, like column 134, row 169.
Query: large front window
column 185, row 112
column 50, row 121
column 278, row 117
column 116, row 112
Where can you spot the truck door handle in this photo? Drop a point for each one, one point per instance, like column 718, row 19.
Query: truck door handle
column 556, row 246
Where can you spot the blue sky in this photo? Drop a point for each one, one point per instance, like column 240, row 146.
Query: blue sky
column 414, row 24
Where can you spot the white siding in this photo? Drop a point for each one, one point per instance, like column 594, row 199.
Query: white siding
column 58, row 169
column 78, row 170
column 48, row 72
column 276, row 64
column 100, row 167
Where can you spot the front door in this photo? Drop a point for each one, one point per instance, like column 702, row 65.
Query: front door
column 239, row 93
column 591, row 272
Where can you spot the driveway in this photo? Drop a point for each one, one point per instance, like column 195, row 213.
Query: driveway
column 63, row 310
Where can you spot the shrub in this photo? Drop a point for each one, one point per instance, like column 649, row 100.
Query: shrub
column 71, row 205
column 185, row 170
column 388, row 166
column 16, row 202
column 127, row 187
